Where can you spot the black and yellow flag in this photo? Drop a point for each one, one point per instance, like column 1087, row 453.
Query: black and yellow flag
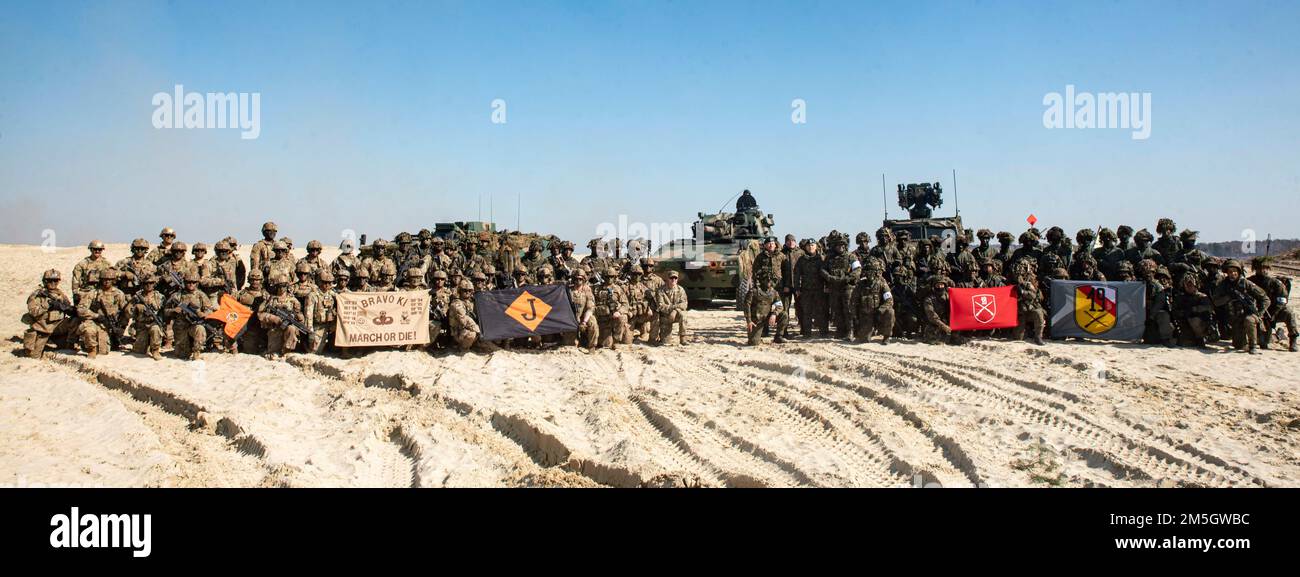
column 530, row 310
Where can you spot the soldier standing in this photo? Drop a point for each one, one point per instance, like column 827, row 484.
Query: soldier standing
column 281, row 263
column 1277, row 310
column 50, row 314
column 313, row 259
column 763, row 309
column 611, row 310
column 133, row 269
column 223, row 271
column 642, row 316
column 1143, row 251
column 1029, row 301
column 1109, row 255
column 985, row 251
column 1169, row 245
column 963, row 264
column 321, row 313
column 839, row 275
column 165, row 239
column 1123, row 233
column 584, row 311
column 95, row 263
column 263, row 250
column 439, row 303
column 874, row 303
column 346, row 261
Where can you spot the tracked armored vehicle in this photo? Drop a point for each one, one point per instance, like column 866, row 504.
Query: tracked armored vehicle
column 708, row 263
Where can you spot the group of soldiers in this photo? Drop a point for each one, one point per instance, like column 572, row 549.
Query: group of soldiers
column 898, row 287
column 160, row 296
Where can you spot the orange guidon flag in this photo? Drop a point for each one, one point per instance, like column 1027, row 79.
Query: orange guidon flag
column 233, row 313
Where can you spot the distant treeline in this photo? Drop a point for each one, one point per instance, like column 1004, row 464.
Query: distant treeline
column 1232, row 248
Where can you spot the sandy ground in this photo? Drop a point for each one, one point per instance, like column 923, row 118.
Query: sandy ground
column 809, row 413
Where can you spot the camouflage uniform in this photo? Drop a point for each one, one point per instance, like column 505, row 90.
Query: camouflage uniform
column 611, row 309
column 313, row 260
column 191, row 333
column 439, row 304
column 281, row 335
column 95, row 263
column 134, row 269
column 1143, row 250
column 1029, row 303
column 223, row 271
column 934, row 310
column 584, row 311
column 763, row 308
column 810, row 290
column 1242, row 301
column 254, row 337
column 321, row 314
column 164, row 249
column 1192, row 311
column 103, row 315
column 874, row 303
column 1108, row 255
column 50, row 314
column 642, row 317
column 281, row 264
column 145, row 306
column 840, row 276
column 1160, row 326
column 346, row 261
column 962, row 264
column 263, row 250
column 1168, row 245
column 1278, row 292
column 671, row 304
column 465, row 331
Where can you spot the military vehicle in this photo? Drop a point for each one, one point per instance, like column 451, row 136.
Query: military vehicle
column 459, row 229
column 920, row 200
column 708, row 264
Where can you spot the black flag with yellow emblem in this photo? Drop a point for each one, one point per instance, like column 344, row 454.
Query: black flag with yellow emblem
column 530, row 310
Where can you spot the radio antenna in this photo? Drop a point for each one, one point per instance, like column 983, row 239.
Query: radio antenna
column 955, row 204
column 883, row 205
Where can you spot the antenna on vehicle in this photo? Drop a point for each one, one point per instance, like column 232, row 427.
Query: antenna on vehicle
column 733, row 197
column 480, row 207
column 519, row 204
column 955, row 204
column 884, row 205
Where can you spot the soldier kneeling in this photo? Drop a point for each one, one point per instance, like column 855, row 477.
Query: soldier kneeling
column 146, row 310
column 465, row 331
column 764, row 309
column 50, row 314
column 188, row 327
column 104, row 315
column 278, row 315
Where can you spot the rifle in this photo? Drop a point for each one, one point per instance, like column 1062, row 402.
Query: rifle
column 149, row 310
column 287, row 319
column 174, row 280
column 57, row 304
column 114, row 331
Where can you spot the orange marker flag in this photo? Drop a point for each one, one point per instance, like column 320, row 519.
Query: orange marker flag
column 233, row 313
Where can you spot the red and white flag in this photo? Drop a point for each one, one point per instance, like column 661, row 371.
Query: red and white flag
column 978, row 309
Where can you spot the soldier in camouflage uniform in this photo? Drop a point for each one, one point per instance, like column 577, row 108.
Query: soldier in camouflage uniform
column 95, row 263
column 1125, row 272
column 439, row 304
column 874, row 302
column 281, row 263
column 1159, row 323
column 133, row 269
column 241, row 271
column 563, row 263
column 763, row 308
column 1278, row 292
column 670, row 305
column 281, row 335
column 223, row 273
column 584, row 312
column 50, row 315
column 985, row 251
column 387, row 272
column 145, row 307
column 533, row 257
column 263, row 250
column 465, row 331
column 1242, row 301
column 810, row 290
column 1085, row 238
column 611, row 309
column 1003, row 256
column 321, row 313
column 643, row 319
column 840, row 274
column 886, row 251
column 254, row 338
column 304, row 286
column 103, row 315
column 863, row 249
column 1122, row 234
column 161, row 252
column 1142, row 249
column 1187, row 240
column 962, row 264
column 1109, row 255
column 200, row 262
column 1028, row 251
column 313, row 259
column 1059, row 245
column 990, row 275
column 1192, row 311
column 1169, row 245
column 171, row 280
column 439, row 260
column 906, row 250
column 934, row 311
column 346, row 261
column 1029, row 302
column 190, row 331
column 1085, row 268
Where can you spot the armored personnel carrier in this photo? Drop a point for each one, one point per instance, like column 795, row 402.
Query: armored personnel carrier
column 920, row 200
column 708, row 263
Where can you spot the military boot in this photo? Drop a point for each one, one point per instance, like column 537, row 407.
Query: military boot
column 1292, row 347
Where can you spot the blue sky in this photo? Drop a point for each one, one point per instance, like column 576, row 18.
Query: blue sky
column 376, row 116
